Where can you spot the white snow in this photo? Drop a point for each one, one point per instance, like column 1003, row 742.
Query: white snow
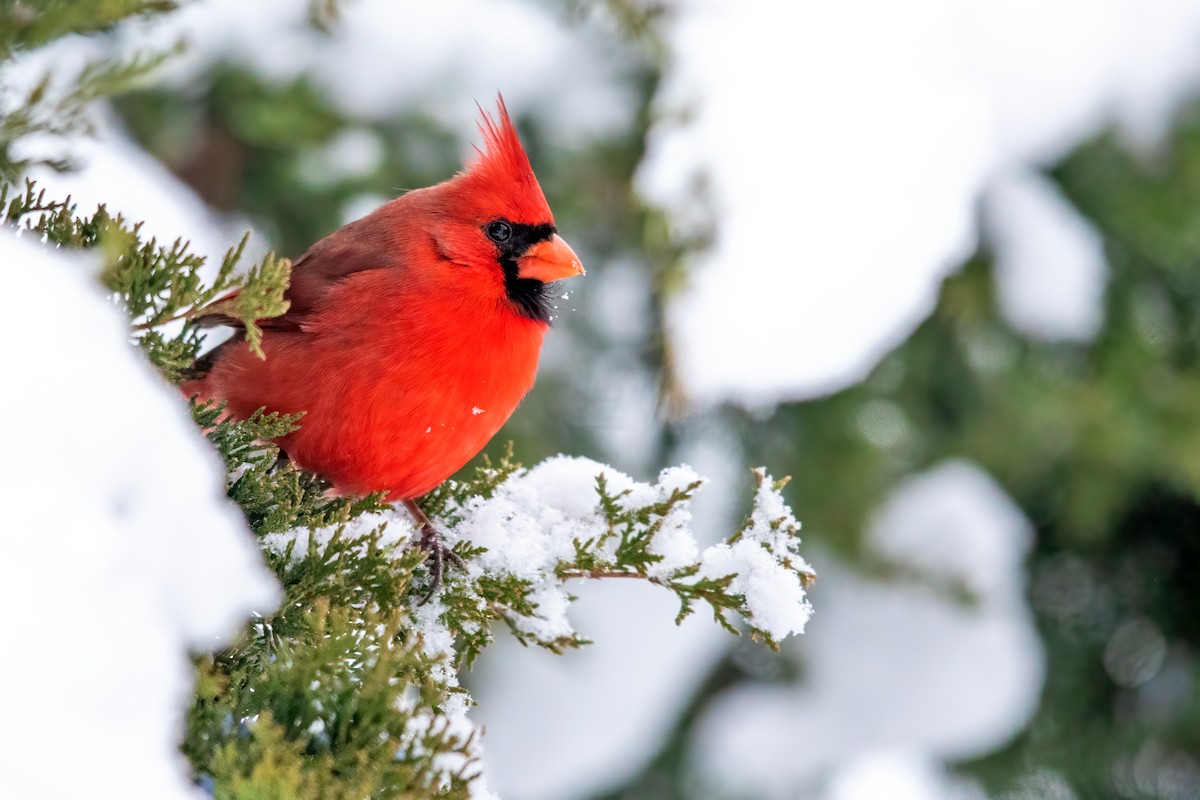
column 123, row 554
column 620, row 694
column 775, row 599
column 898, row 775
column 953, row 522
column 529, row 526
column 1050, row 265
column 382, row 56
column 846, row 147
column 532, row 521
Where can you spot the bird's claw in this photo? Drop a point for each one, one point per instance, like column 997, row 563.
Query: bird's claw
column 439, row 554
column 431, row 541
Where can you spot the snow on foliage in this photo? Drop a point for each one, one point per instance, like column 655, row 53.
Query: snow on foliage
column 765, row 565
column 526, row 534
column 144, row 561
column 574, row 518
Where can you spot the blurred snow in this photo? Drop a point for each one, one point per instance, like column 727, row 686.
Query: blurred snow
column 563, row 727
column 897, row 664
column 383, row 56
column 351, row 154
column 954, row 523
column 898, row 775
column 121, row 549
column 844, row 163
column 108, row 167
column 1050, row 269
column 114, row 171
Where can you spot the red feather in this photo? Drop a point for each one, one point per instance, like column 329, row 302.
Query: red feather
column 403, row 344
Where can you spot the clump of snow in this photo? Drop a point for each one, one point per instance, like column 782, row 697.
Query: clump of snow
column 149, row 563
column 536, row 521
column 532, row 521
column 1050, row 265
column 765, row 564
column 954, row 522
column 642, row 670
column 530, row 526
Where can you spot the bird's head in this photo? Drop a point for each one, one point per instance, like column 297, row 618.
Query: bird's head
column 498, row 225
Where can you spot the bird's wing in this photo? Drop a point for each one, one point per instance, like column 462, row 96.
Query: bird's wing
column 327, row 262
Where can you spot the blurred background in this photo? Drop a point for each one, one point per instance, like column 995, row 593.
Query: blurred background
column 935, row 259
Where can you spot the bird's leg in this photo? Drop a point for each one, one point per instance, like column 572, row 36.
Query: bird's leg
column 439, row 554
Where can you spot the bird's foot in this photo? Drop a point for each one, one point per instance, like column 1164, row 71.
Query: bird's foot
column 439, row 554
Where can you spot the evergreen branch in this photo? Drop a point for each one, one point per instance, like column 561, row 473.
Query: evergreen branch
column 26, row 24
column 158, row 284
column 60, row 108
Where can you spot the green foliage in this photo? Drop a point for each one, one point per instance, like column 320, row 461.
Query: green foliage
column 57, row 105
column 26, row 24
column 156, row 283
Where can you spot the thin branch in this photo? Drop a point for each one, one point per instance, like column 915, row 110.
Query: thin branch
column 603, row 573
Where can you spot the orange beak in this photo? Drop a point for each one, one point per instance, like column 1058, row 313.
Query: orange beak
column 549, row 260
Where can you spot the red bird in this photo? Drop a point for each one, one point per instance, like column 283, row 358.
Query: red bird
column 412, row 334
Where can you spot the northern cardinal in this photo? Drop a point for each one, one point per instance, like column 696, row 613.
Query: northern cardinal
column 413, row 333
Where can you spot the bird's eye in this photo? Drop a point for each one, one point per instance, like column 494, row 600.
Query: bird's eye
column 499, row 231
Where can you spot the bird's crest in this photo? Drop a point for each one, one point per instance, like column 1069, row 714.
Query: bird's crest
column 501, row 170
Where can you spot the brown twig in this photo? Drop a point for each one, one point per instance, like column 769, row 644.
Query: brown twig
column 602, row 573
